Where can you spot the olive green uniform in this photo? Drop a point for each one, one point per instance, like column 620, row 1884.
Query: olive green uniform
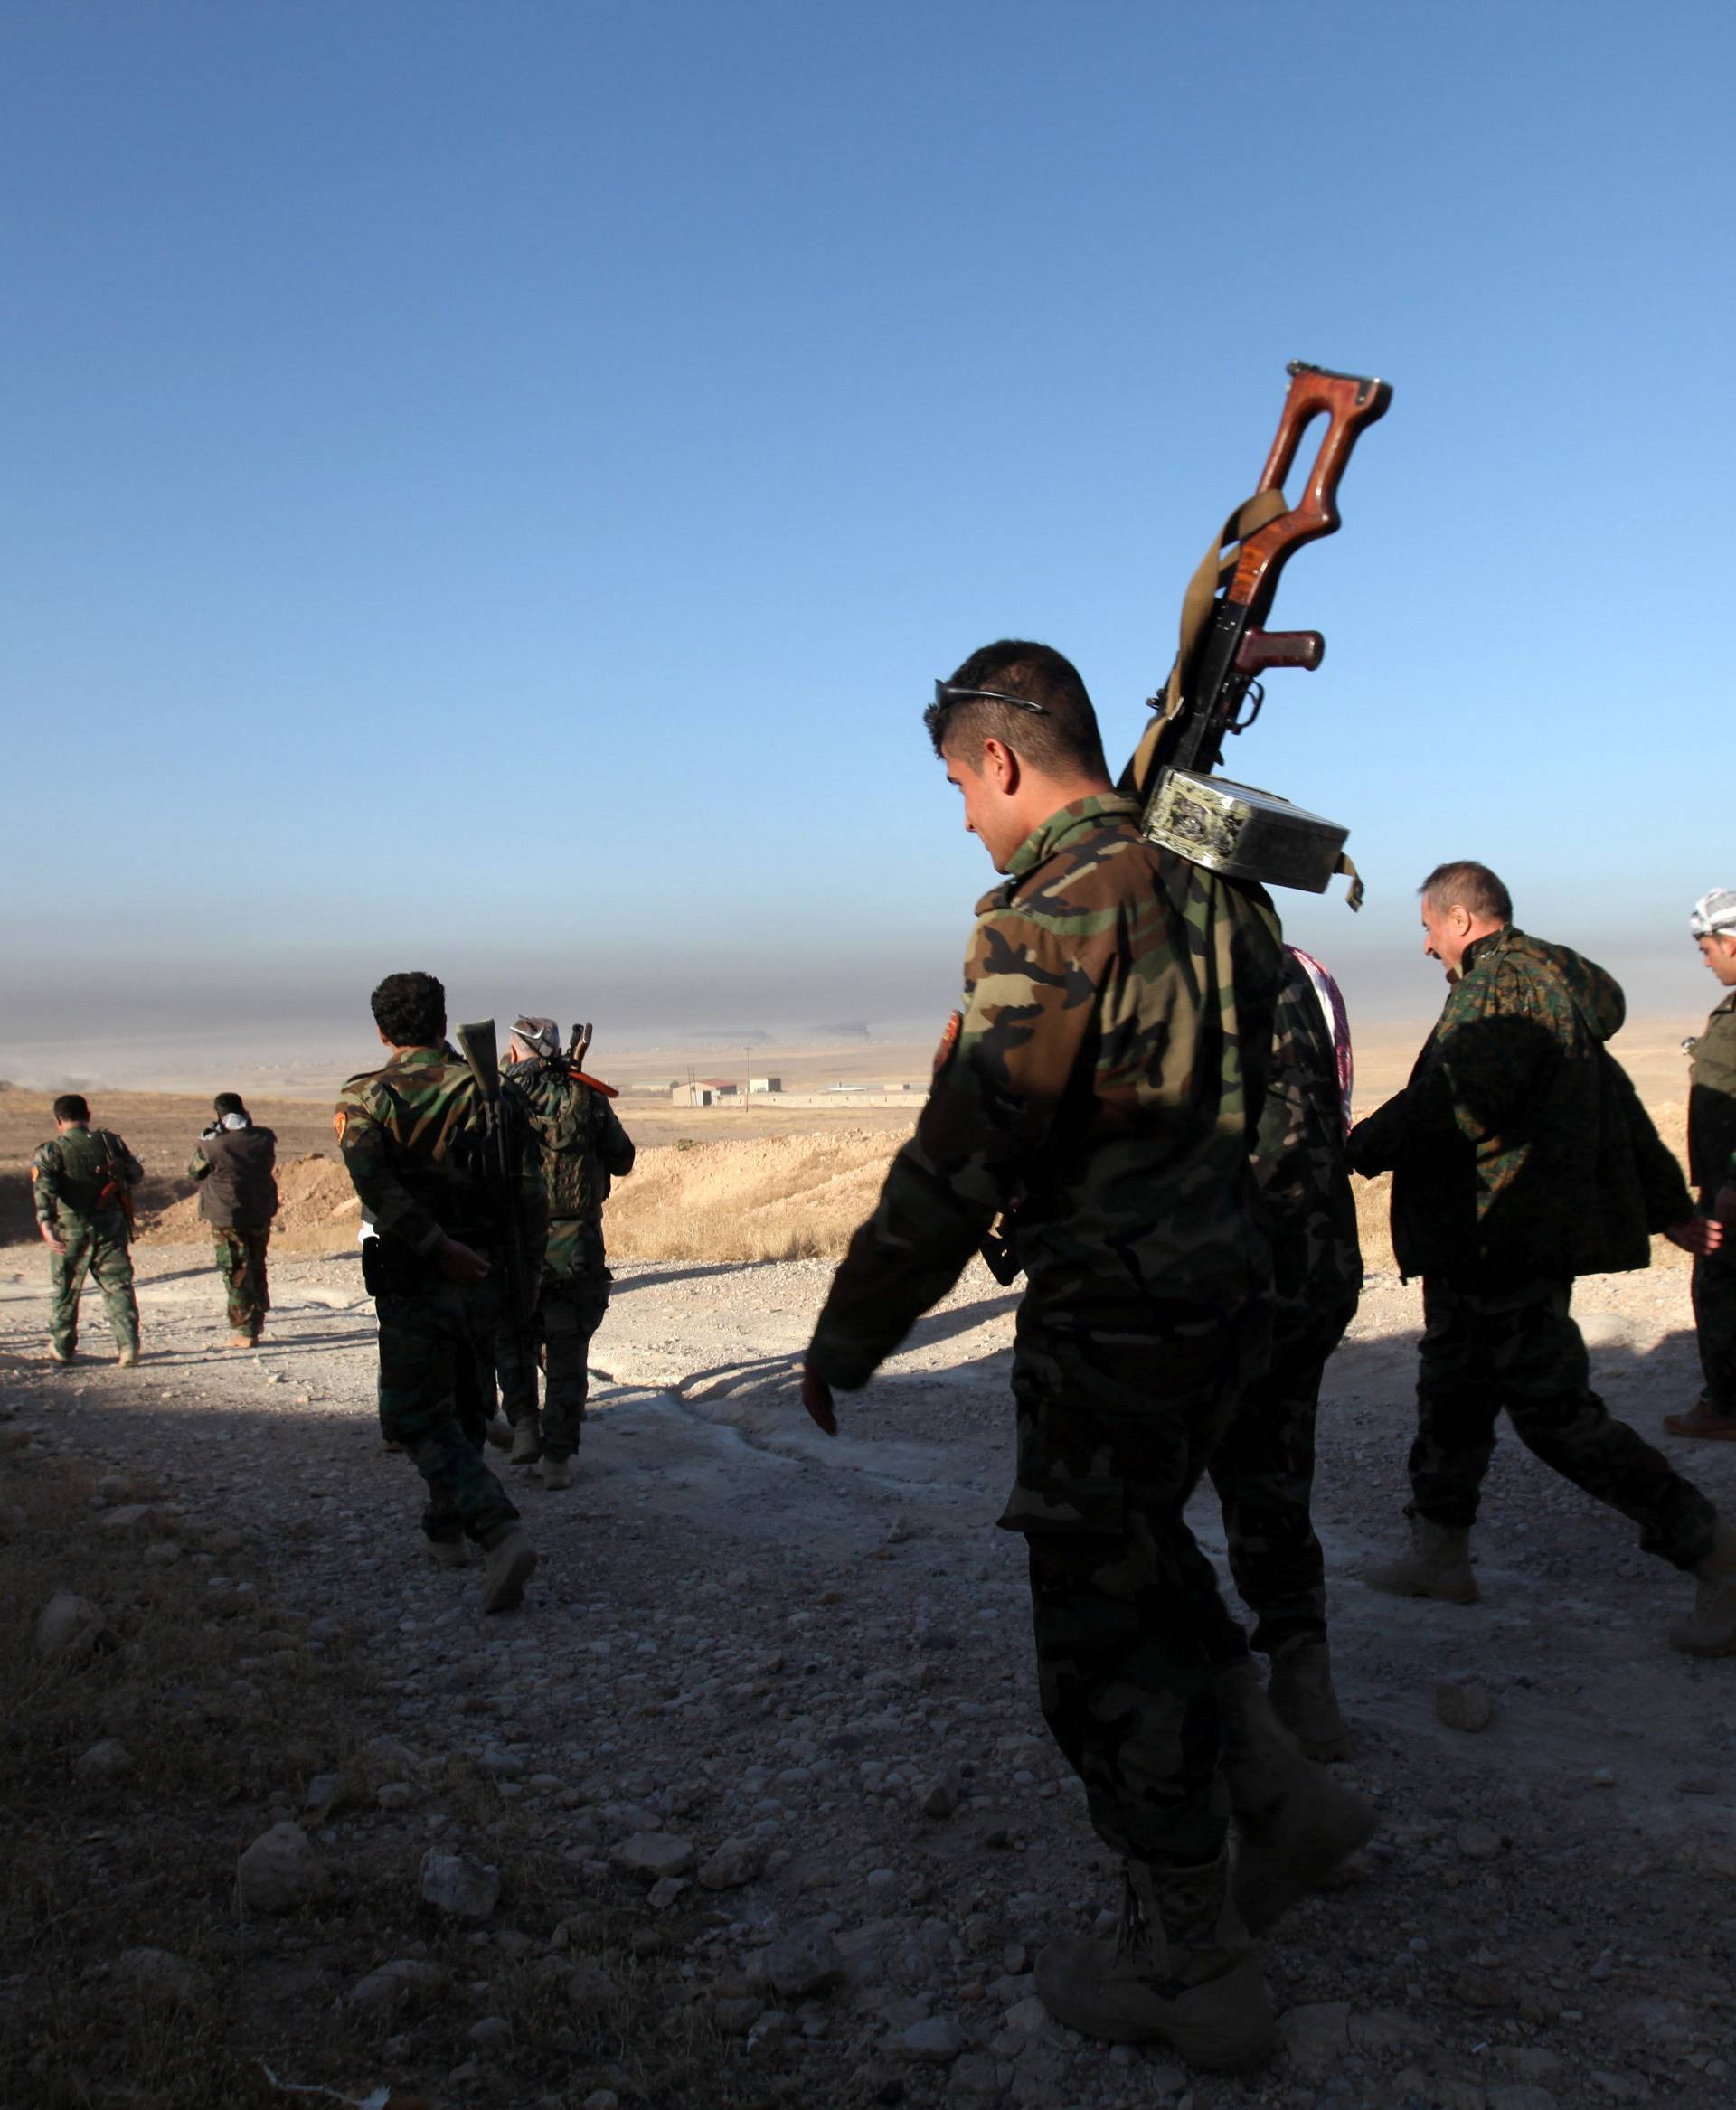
column 79, row 1180
column 416, row 1140
column 1102, row 1080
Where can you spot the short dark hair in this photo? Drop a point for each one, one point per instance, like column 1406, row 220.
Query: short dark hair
column 1063, row 740
column 1465, row 884
column 409, row 1010
column 72, row 1106
column 228, row 1103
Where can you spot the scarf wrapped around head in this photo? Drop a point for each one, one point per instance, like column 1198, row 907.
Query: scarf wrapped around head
column 1714, row 914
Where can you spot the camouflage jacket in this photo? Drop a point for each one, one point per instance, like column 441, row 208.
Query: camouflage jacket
column 1102, row 1078
column 1712, row 1102
column 584, row 1147
column 78, row 1177
column 1519, row 1149
column 1299, row 1159
column 416, row 1144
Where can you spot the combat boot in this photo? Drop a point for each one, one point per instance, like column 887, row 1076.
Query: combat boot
column 527, row 1439
column 450, row 1552
column 1295, row 1824
column 557, row 1471
column 128, row 1355
column 1709, row 1629
column 56, row 1353
column 510, row 1564
column 242, row 1340
column 1300, row 1690
column 1438, row 1566
column 1179, row 1969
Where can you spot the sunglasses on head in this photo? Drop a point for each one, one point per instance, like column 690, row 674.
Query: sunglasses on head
column 947, row 693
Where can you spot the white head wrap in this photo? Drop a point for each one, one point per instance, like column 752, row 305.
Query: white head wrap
column 540, row 1034
column 1714, row 914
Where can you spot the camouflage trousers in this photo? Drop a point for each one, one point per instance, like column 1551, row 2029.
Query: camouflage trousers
column 239, row 1255
column 95, row 1245
column 569, row 1309
column 1715, row 1316
column 437, row 1395
column 1263, row 1472
column 1520, row 1348
column 1115, row 1430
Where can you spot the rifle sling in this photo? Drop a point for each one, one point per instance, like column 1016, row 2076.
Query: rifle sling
column 1211, row 575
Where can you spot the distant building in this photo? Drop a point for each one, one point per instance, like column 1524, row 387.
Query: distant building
column 765, row 1084
column 720, row 1088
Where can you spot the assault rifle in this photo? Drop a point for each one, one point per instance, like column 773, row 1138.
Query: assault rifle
column 480, row 1048
column 1224, row 650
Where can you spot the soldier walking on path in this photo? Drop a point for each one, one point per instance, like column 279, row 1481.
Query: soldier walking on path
column 1520, row 1158
column 416, row 1142
column 584, row 1147
column 82, row 1180
column 1100, row 1082
column 1711, row 1168
column 234, row 1162
column 1263, row 1468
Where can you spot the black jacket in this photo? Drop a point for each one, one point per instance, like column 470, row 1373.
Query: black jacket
column 234, row 1169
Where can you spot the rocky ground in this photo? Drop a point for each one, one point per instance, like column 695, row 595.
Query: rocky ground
column 768, row 1719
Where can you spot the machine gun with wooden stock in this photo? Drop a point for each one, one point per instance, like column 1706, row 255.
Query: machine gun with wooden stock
column 1225, row 649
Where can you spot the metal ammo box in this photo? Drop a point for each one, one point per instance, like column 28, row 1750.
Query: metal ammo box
column 1246, row 834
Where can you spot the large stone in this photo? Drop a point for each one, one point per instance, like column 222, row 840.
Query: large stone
column 133, row 1516
column 735, row 1862
column 942, row 1796
column 1475, row 1842
column 654, row 1854
column 68, row 1629
column 280, row 1871
column 393, row 1983
column 461, row 1888
column 937, row 2041
column 1316, row 2037
column 804, row 1961
column 109, row 1760
column 161, row 1979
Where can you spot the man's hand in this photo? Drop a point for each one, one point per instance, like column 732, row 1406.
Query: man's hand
column 460, row 1263
column 1697, row 1234
column 817, row 1397
column 51, row 1237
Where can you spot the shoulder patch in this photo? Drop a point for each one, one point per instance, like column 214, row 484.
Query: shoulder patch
column 948, row 1041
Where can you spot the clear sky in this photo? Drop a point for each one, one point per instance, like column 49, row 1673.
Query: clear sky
column 490, row 488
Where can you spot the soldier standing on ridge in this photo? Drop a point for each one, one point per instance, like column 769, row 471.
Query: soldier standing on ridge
column 416, row 1142
column 83, row 1181
column 233, row 1163
column 1521, row 1157
column 1102, row 1080
column 1263, row 1468
column 584, row 1147
column 1711, row 1167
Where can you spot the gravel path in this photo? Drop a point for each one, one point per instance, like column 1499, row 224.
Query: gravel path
column 796, row 1675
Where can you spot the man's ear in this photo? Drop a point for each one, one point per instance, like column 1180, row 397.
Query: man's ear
column 1001, row 764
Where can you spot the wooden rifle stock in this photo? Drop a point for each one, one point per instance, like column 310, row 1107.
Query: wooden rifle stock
column 1223, row 650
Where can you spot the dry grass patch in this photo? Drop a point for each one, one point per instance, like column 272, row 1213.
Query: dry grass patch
column 225, row 1705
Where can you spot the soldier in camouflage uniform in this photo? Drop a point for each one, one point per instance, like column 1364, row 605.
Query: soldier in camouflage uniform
column 1100, row 1083
column 1711, row 1167
column 1520, row 1158
column 1263, row 1468
column 234, row 1164
column 417, row 1140
column 584, row 1147
column 82, row 1181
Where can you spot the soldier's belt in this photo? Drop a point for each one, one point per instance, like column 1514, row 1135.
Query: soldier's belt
column 1246, row 834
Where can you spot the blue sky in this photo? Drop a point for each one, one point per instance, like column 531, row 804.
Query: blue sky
column 490, row 488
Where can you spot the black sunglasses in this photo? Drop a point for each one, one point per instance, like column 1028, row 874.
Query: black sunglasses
column 945, row 695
